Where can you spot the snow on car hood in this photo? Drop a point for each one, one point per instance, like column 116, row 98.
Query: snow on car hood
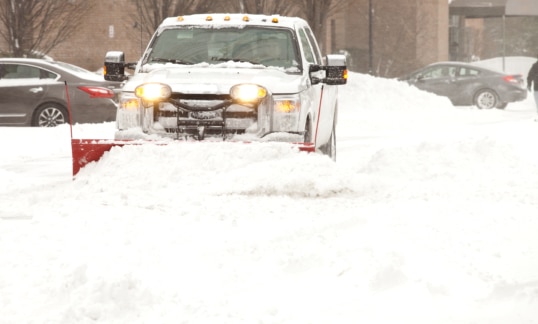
column 218, row 79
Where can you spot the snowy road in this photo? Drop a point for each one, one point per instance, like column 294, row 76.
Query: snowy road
column 428, row 216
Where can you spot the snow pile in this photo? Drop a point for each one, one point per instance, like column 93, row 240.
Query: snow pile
column 429, row 215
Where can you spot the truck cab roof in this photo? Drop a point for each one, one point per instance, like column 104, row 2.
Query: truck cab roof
column 220, row 19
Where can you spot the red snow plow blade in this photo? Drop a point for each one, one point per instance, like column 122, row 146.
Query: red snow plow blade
column 91, row 150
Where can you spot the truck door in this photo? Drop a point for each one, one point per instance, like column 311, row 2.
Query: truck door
column 323, row 96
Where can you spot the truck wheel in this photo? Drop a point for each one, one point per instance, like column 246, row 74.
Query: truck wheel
column 49, row 115
column 329, row 148
column 308, row 131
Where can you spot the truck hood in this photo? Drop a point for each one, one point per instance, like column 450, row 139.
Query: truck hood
column 218, row 79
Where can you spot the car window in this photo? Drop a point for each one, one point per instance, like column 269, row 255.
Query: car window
column 23, row 71
column 467, row 72
column 317, row 54
column 71, row 67
column 266, row 46
column 308, row 53
column 439, row 72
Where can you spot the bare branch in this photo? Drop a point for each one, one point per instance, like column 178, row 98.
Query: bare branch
column 34, row 27
column 317, row 12
column 267, row 7
column 152, row 12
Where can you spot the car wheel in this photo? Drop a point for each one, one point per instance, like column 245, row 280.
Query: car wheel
column 329, row 148
column 49, row 115
column 486, row 99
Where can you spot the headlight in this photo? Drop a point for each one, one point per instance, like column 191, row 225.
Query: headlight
column 248, row 93
column 287, row 105
column 129, row 102
column 153, row 92
column 287, row 113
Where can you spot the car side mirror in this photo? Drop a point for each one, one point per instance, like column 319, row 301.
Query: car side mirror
column 317, row 73
column 114, row 66
column 336, row 69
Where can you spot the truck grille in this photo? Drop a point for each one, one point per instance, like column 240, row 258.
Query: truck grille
column 191, row 115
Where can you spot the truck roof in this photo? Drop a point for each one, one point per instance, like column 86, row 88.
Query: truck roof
column 224, row 20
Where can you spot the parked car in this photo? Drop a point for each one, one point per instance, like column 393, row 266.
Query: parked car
column 465, row 84
column 33, row 93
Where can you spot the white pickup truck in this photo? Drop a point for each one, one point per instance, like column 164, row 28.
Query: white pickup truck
column 231, row 77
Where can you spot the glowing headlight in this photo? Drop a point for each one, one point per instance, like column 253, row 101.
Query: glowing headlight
column 287, row 105
column 131, row 103
column 248, row 93
column 153, row 91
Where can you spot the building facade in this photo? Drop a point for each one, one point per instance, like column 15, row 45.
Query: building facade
column 388, row 39
column 382, row 37
column 112, row 25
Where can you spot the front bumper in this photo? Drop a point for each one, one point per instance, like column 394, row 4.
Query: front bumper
column 216, row 115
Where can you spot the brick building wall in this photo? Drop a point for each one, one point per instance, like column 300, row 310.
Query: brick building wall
column 406, row 34
column 110, row 26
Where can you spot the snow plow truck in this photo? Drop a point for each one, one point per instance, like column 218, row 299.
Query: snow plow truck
column 225, row 77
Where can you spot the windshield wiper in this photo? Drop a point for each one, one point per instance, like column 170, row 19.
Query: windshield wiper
column 226, row 59
column 167, row 60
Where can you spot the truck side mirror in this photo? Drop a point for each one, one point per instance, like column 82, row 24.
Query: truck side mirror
column 114, row 66
column 317, row 73
column 336, row 69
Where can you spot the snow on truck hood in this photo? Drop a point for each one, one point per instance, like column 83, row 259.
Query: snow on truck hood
column 219, row 78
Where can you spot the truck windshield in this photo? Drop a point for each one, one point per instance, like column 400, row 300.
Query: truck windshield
column 255, row 45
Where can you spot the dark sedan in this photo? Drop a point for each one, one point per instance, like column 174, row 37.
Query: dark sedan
column 33, row 93
column 465, row 84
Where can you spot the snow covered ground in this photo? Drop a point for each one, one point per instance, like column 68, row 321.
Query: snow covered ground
column 429, row 215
